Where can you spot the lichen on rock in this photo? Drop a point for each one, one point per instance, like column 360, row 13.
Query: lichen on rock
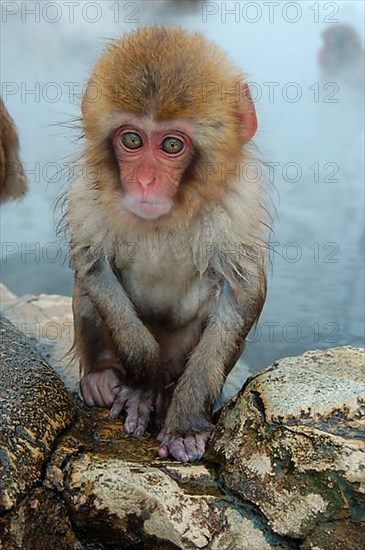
column 34, row 409
column 293, row 442
column 284, row 470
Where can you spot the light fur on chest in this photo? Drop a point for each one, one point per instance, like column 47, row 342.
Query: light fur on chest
column 164, row 281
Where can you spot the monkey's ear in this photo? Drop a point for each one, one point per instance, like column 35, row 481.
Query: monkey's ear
column 247, row 115
column 84, row 105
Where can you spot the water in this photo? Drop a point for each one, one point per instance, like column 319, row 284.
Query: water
column 316, row 283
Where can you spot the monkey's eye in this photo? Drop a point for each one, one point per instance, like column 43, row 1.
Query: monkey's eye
column 131, row 140
column 172, row 145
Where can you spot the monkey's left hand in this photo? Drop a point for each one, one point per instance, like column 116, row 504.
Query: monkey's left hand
column 184, row 448
column 184, row 435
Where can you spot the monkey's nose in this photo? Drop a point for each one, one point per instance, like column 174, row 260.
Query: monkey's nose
column 146, row 177
column 146, row 182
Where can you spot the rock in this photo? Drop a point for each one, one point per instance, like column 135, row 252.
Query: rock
column 120, row 495
column 47, row 321
column 34, row 409
column 40, row 521
column 293, row 444
column 285, row 469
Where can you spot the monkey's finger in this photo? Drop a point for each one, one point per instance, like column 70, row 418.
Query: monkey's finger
column 116, row 409
column 161, row 436
column 177, row 450
column 92, row 395
column 187, row 449
column 102, row 396
column 175, row 447
column 163, row 451
column 96, row 390
column 201, row 442
column 144, row 413
column 132, row 408
column 191, row 448
column 108, row 392
column 99, row 394
column 119, row 403
column 86, row 392
column 131, row 422
column 88, row 398
column 108, row 399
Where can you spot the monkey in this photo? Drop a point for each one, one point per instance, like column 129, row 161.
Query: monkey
column 186, row 4
column 168, row 231
column 13, row 182
column 342, row 55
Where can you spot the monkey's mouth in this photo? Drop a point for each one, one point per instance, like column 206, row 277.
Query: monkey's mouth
column 148, row 209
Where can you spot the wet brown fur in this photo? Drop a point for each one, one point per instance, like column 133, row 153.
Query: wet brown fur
column 162, row 72
column 12, row 178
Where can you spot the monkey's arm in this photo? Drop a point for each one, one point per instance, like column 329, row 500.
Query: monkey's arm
column 214, row 356
column 188, row 424
column 136, row 345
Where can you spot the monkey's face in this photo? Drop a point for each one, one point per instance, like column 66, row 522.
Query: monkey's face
column 341, row 45
column 166, row 118
column 152, row 157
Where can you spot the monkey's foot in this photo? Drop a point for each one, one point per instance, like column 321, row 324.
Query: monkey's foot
column 100, row 388
column 189, row 448
column 137, row 404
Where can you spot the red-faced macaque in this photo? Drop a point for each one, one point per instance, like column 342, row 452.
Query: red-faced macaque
column 168, row 224
column 342, row 55
column 12, row 178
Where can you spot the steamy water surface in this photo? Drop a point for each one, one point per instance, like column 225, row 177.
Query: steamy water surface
column 310, row 135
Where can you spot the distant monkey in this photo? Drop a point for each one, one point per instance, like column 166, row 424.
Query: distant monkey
column 168, row 227
column 12, row 178
column 342, row 54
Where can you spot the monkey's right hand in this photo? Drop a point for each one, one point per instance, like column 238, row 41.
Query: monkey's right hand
column 137, row 403
column 100, row 388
